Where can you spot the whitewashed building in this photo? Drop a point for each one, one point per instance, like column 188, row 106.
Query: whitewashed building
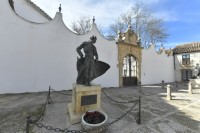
column 186, row 58
column 38, row 51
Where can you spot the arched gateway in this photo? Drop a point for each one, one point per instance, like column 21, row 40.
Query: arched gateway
column 129, row 57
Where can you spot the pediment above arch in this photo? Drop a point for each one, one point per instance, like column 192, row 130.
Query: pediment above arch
column 129, row 37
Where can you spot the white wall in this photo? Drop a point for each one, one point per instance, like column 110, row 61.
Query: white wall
column 26, row 10
column 156, row 67
column 34, row 56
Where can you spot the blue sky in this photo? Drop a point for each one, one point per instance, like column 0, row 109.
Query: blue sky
column 181, row 17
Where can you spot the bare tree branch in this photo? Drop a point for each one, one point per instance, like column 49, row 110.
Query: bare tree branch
column 143, row 23
column 149, row 28
column 83, row 25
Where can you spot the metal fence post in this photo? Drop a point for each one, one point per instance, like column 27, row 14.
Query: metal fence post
column 176, row 83
column 28, row 122
column 140, row 91
column 139, row 120
column 49, row 95
column 163, row 84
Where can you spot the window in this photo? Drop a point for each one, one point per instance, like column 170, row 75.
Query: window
column 186, row 59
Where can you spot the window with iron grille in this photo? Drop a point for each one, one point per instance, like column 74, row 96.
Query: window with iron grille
column 129, row 68
column 186, row 59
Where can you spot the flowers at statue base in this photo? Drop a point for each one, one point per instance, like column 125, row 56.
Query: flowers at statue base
column 94, row 117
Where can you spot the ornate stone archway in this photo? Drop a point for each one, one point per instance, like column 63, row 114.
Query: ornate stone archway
column 129, row 44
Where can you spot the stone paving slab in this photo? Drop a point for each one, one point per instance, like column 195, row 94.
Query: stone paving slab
column 159, row 108
column 186, row 118
column 179, row 115
column 167, row 126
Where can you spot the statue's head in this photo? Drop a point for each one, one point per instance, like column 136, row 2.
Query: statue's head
column 93, row 39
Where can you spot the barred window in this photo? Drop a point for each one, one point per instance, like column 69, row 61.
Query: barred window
column 186, row 59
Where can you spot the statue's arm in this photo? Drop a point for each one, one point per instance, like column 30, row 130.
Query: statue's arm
column 78, row 49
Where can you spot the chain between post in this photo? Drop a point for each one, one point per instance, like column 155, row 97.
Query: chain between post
column 60, row 92
column 40, row 125
column 50, row 128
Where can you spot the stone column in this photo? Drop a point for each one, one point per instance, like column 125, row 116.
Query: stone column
column 169, row 97
column 190, row 87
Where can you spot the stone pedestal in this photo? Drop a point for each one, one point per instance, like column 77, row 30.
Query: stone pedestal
column 84, row 98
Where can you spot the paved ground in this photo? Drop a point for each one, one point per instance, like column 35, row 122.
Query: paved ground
column 180, row 115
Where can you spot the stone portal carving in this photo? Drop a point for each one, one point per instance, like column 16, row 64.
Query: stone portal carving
column 129, row 44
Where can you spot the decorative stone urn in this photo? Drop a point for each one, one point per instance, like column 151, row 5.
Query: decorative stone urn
column 95, row 128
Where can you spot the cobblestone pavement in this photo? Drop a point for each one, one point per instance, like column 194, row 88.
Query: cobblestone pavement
column 159, row 115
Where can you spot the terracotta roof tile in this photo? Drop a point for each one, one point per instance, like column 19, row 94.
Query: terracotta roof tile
column 187, row 48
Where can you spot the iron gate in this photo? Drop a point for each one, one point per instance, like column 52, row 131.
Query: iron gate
column 129, row 71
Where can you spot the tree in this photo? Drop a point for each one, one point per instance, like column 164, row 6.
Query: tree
column 114, row 28
column 156, row 33
column 149, row 28
column 83, row 25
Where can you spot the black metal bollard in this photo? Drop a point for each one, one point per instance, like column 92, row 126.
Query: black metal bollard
column 28, row 122
column 163, row 86
column 140, row 91
column 139, row 120
column 138, row 116
column 49, row 95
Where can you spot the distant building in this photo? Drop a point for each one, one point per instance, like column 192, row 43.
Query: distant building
column 186, row 57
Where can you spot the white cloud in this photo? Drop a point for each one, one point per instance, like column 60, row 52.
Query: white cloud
column 105, row 12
